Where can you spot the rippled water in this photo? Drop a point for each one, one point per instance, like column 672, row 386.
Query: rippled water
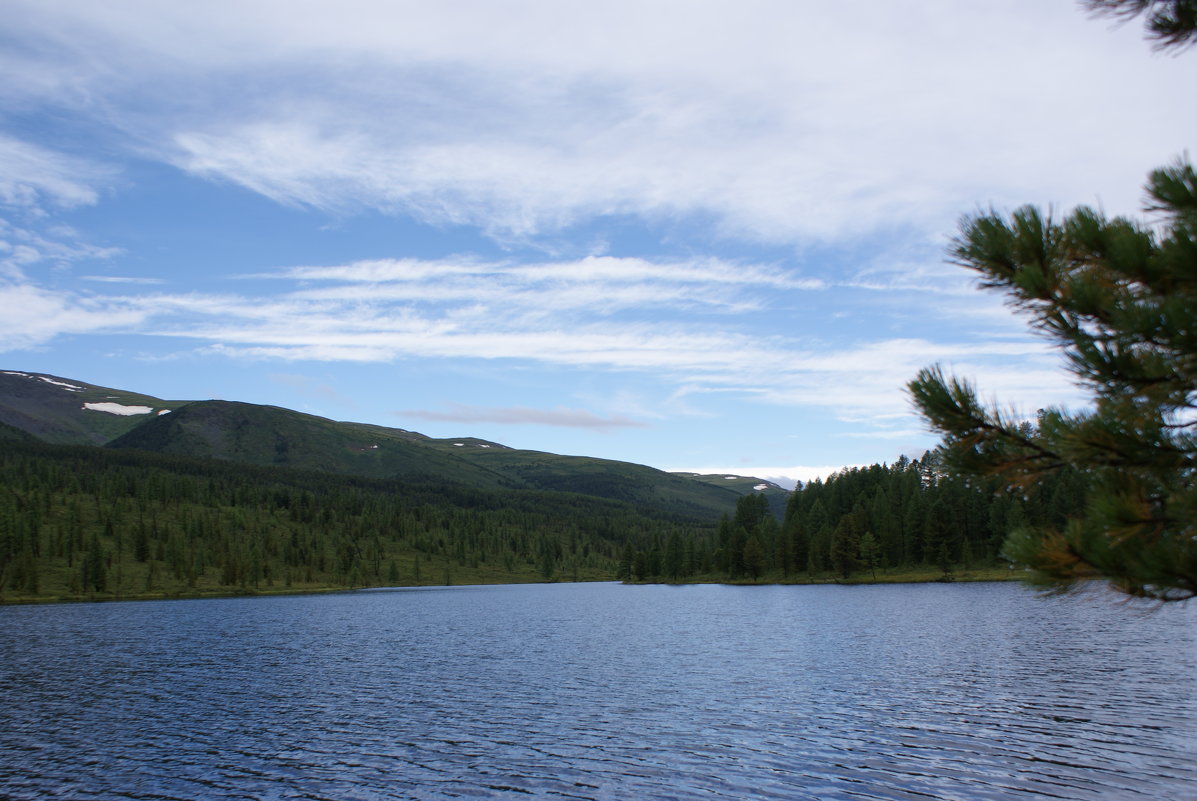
column 980, row 691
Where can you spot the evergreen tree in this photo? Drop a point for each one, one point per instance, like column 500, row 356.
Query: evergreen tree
column 750, row 511
column 870, row 553
column 1171, row 23
column 95, row 572
column 1120, row 298
column 723, row 545
column 754, row 558
column 943, row 560
column 845, row 546
column 626, row 562
column 673, row 557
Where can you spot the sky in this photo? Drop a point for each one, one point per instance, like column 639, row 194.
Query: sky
column 698, row 235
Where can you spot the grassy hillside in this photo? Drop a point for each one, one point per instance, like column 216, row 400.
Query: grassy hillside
column 268, row 435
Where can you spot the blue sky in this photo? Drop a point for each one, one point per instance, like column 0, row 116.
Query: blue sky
column 695, row 235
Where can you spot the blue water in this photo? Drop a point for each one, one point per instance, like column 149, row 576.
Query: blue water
column 601, row 691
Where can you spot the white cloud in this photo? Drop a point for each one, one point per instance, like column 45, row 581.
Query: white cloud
column 523, row 415
column 562, row 314
column 778, row 121
column 554, row 314
column 23, row 247
column 121, row 279
column 33, row 316
column 593, row 284
column 32, row 176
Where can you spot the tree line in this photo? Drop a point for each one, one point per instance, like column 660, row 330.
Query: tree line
column 911, row 515
column 81, row 522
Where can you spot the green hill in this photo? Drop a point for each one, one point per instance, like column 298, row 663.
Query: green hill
column 777, row 495
column 268, row 435
column 69, row 412
column 623, row 481
column 66, row 411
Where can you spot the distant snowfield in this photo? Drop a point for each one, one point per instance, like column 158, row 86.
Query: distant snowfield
column 69, row 387
column 117, row 408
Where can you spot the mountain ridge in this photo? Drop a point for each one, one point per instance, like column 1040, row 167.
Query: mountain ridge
column 67, row 411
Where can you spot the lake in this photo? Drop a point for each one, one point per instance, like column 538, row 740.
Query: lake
column 603, row 691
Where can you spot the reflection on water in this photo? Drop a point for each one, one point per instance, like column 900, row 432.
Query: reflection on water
column 980, row 691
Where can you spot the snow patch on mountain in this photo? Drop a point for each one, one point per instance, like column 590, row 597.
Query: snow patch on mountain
column 68, row 387
column 118, row 408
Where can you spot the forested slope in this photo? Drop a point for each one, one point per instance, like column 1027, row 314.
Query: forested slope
column 87, row 523
column 909, row 518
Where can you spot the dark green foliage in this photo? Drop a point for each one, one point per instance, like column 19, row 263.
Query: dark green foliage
column 1171, row 23
column 753, row 561
column 8, row 432
column 869, row 553
column 1111, row 491
column 911, row 514
column 79, row 521
column 845, row 547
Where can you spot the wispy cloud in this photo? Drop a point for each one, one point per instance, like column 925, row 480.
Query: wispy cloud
column 121, row 279
column 32, row 176
column 783, row 122
column 596, row 284
column 306, row 385
column 523, row 415
column 33, row 316
column 539, row 314
column 713, row 129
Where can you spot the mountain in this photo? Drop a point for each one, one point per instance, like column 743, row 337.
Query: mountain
column 745, row 485
column 268, row 435
column 67, row 411
column 606, row 478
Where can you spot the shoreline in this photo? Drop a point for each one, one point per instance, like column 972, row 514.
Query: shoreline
column 905, row 577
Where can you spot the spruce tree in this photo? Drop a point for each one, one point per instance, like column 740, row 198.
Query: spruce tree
column 754, row 558
column 870, row 552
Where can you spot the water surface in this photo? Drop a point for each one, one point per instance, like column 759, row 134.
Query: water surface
column 601, row 691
